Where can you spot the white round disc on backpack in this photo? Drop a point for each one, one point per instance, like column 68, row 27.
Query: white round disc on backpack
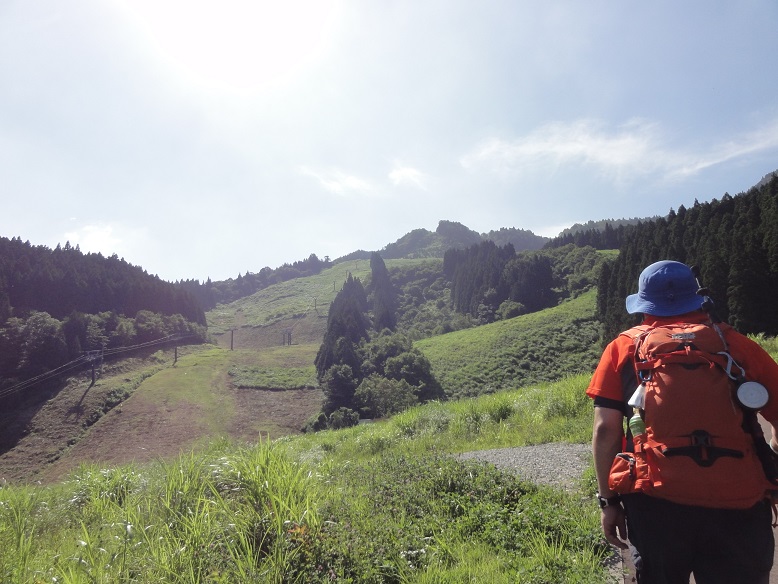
column 752, row 395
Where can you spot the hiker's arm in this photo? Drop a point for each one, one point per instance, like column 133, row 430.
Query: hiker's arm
column 607, row 436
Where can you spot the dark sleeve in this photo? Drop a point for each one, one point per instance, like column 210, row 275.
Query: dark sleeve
column 613, row 404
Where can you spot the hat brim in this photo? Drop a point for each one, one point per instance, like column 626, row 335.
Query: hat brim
column 639, row 305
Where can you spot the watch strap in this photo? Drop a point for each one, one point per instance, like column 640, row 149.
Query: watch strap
column 609, row 501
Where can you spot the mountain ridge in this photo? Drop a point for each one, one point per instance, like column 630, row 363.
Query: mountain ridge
column 422, row 243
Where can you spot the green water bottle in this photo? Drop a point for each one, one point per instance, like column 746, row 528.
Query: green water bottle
column 637, row 426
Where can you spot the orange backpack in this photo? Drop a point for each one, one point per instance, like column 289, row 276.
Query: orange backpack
column 697, row 448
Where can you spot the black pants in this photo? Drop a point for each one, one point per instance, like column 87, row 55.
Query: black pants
column 718, row 546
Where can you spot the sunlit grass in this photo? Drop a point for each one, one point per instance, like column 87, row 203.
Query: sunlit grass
column 294, row 298
column 379, row 502
column 538, row 347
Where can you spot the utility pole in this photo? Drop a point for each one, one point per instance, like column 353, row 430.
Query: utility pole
column 92, row 356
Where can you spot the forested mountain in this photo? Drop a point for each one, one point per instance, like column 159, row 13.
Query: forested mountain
column 422, row 243
column 734, row 242
column 602, row 224
column 419, row 243
column 605, row 236
column 368, row 367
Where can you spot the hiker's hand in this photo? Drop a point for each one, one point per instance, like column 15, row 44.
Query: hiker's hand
column 614, row 525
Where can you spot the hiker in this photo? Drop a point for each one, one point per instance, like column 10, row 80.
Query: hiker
column 686, row 485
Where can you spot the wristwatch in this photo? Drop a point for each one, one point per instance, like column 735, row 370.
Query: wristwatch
column 609, row 502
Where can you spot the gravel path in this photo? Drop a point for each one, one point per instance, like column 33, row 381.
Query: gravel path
column 558, row 464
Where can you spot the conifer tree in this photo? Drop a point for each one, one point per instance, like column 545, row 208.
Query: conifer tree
column 346, row 320
column 384, row 295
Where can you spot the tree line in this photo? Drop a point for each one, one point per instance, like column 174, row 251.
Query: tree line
column 606, row 236
column 733, row 241
column 38, row 343
column 490, row 282
column 64, row 280
column 57, row 304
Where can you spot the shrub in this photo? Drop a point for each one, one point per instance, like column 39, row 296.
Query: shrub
column 343, row 418
column 377, row 397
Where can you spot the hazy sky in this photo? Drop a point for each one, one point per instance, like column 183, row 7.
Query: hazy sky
column 205, row 139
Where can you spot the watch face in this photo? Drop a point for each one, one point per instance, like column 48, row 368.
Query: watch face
column 752, row 395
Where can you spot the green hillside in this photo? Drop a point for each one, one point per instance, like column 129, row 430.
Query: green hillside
column 185, row 455
column 542, row 346
column 212, row 500
column 286, row 301
column 299, row 306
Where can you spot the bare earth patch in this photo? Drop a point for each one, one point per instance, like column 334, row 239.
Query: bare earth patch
column 47, row 441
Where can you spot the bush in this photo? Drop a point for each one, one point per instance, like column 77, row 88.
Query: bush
column 343, row 418
column 377, row 397
column 510, row 309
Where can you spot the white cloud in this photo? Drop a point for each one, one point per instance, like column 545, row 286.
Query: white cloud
column 94, row 238
column 761, row 140
column 626, row 149
column 634, row 149
column 340, row 183
column 108, row 239
column 407, row 175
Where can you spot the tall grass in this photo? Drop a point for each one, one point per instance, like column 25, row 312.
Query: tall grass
column 220, row 516
column 382, row 502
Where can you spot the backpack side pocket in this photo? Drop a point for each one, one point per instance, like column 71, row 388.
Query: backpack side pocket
column 628, row 474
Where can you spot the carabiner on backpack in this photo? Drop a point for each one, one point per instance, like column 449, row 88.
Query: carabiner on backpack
column 728, row 368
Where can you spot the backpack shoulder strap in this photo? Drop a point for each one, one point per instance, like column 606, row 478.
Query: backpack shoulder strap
column 630, row 376
column 636, row 332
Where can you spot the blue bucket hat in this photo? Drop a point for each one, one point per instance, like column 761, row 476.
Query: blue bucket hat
column 666, row 288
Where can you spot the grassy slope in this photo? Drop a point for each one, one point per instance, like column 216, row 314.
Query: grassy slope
column 543, row 346
column 172, row 408
column 196, row 400
column 300, row 305
column 287, row 300
column 212, row 392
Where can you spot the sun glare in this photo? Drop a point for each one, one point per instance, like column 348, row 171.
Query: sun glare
column 236, row 45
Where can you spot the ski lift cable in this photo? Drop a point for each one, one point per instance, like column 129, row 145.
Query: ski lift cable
column 79, row 361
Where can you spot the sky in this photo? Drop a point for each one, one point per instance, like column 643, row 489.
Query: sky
column 203, row 139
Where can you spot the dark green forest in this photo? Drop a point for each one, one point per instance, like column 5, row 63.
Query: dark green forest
column 489, row 282
column 365, row 367
column 733, row 241
column 57, row 305
column 64, row 280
